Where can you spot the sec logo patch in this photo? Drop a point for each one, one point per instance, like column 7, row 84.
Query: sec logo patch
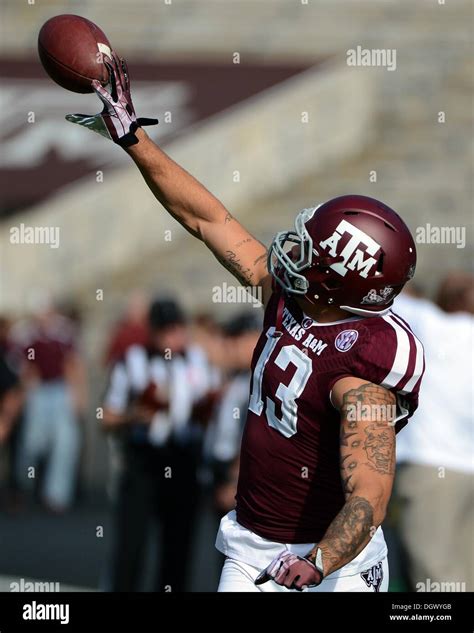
column 345, row 340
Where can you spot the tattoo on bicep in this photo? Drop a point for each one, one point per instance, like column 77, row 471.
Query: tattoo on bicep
column 366, row 398
column 378, row 437
column 379, row 446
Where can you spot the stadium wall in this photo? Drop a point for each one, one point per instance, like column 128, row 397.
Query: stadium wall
column 255, row 149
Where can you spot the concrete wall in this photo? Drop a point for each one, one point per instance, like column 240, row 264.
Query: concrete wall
column 253, row 150
column 258, row 28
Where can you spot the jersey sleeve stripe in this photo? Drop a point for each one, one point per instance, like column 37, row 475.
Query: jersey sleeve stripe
column 419, row 363
column 402, row 355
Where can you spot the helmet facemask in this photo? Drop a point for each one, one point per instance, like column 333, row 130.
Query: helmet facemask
column 287, row 269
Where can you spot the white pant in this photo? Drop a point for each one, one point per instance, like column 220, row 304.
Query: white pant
column 50, row 431
column 238, row 576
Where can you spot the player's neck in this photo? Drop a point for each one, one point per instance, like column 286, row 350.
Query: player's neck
column 322, row 313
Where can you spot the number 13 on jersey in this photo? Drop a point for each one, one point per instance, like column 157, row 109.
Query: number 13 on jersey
column 287, row 394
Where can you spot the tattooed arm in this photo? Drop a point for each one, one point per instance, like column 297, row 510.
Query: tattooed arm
column 367, row 458
column 203, row 215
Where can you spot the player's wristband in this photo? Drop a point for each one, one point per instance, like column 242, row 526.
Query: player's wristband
column 318, row 562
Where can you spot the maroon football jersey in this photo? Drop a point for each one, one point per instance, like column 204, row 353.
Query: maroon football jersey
column 290, row 487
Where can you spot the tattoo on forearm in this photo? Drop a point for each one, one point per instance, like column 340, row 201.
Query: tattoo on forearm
column 347, row 466
column 244, row 241
column 348, row 463
column 347, row 535
column 235, row 266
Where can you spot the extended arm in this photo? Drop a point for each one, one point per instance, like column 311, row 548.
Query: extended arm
column 201, row 213
column 187, row 200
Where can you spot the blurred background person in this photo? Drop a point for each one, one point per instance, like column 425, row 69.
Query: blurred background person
column 241, row 334
column 149, row 405
column 53, row 375
column 435, row 453
column 11, row 399
column 208, row 333
column 132, row 329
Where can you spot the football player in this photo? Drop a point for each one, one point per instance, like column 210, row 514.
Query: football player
column 335, row 373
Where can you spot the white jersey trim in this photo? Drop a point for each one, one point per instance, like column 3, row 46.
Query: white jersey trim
column 402, row 355
column 419, row 360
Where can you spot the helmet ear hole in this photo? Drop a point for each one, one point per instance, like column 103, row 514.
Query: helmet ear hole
column 380, row 264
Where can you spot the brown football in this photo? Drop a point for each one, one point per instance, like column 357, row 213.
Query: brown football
column 71, row 48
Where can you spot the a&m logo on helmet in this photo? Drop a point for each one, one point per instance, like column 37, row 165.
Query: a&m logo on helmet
column 353, row 257
column 345, row 340
column 373, row 298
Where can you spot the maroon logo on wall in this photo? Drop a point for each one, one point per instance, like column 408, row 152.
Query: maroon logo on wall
column 41, row 152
